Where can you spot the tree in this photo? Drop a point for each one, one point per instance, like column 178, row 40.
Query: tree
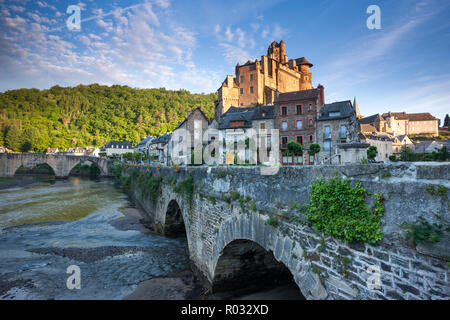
column 13, row 138
column 446, row 121
column 313, row 149
column 294, row 147
column 372, row 152
column 407, row 154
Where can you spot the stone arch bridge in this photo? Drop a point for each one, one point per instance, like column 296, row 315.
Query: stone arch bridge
column 61, row 164
column 232, row 246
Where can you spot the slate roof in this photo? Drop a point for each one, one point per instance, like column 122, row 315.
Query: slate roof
column 370, row 119
column 310, row 94
column 247, row 115
column 410, row 116
column 365, row 127
column 110, row 144
column 344, row 107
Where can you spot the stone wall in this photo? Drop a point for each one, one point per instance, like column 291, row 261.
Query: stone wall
column 322, row 267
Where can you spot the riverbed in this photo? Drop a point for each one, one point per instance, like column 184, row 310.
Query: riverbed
column 47, row 226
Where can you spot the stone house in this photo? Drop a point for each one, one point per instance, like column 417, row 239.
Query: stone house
column 383, row 141
column 195, row 123
column 256, row 82
column 332, row 126
column 255, row 123
column 116, row 148
column 295, row 116
column 157, row 148
column 402, row 123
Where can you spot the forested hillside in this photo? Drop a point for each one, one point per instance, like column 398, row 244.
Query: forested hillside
column 32, row 119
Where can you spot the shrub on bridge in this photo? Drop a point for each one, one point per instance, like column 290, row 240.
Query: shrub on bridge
column 340, row 210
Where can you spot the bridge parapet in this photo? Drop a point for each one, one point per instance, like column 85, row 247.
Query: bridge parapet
column 61, row 164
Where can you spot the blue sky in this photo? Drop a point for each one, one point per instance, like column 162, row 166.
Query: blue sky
column 195, row 44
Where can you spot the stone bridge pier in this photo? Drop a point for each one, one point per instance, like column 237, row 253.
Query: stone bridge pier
column 233, row 245
column 61, row 164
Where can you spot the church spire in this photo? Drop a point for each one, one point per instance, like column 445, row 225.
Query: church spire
column 355, row 105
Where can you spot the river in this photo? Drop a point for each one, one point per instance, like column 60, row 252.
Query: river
column 45, row 227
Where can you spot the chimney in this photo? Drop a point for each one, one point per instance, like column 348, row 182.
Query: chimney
column 322, row 94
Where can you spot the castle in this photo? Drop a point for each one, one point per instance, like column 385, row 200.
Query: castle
column 256, row 82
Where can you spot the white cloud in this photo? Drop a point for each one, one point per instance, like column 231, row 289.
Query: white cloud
column 229, row 35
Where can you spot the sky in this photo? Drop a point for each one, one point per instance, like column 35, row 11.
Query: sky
column 193, row 45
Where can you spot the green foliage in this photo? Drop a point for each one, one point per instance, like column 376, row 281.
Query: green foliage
column 407, row 154
column 372, row 152
column 170, row 180
column 386, row 174
column 149, row 185
column 393, row 158
column 271, row 221
column 186, row 187
column 221, row 174
column 253, row 206
column 313, row 149
column 340, row 210
column 234, row 195
column 212, row 200
column 294, row 147
column 422, row 231
column 91, row 115
column 117, row 169
column 364, row 161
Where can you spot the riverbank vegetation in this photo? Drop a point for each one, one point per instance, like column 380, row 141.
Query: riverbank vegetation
column 91, row 115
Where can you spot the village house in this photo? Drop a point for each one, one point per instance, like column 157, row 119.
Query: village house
column 382, row 141
column 142, row 147
column 295, row 118
column 78, row 151
column 251, row 126
column 116, row 148
column 332, row 127
column 157, row 148
column 256, row 82
column 52, row 150
column 195, row 124
column 401, row 123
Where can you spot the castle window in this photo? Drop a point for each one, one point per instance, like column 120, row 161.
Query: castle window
column 283, row 111
column 299, row 124
column 242, row 90
column 310, row 123
column 262, row 125
column 251, row 89
column 310, row 107
column 311, row 139
column 241, row 79
column 284, row 125
column 251, row 77
column 299, row 109
column 300, row 140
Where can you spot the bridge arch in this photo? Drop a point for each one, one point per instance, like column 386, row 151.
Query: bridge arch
column 25, row 165
column 81, row 160
column 244, row 239
column 92, row 163
column 174, row 224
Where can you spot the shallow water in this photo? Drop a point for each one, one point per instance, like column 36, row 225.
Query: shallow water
column 45, row 228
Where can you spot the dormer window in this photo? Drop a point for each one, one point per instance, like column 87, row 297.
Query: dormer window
column 335, row 114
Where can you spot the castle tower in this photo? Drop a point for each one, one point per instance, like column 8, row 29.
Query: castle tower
column 255, row 82
column 355, row 105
